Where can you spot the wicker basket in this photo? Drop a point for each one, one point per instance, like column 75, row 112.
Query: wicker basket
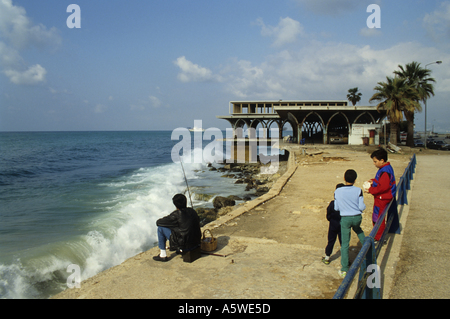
column 208, row 243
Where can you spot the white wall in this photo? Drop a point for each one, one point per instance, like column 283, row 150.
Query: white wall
column 358, row 131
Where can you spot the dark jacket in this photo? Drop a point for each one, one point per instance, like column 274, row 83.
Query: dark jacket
column 185, row 226
column 334, row 217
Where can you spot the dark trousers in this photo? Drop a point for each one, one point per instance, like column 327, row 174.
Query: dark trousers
column 334, row 231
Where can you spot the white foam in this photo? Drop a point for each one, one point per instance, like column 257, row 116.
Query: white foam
column 126, row 227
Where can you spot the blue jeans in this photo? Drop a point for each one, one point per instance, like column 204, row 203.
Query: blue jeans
column 163, row 235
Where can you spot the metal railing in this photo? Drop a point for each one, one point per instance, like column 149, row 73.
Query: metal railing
column 369, row 252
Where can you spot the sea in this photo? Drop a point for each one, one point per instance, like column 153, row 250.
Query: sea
column 90, row 199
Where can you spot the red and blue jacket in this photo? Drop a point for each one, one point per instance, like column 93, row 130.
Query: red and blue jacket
column 384, row 188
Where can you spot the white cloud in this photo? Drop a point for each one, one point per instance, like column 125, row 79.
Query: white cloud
column 247, row 80
column 285, row 32
column 100, row 108
column 368, row 32
column 16, row 27
column 151, row 102
column 34, row 75
column 8, row 55
column 437, row 23
column 155, row 102
column 325, row 71
column 191, row 72
column 17, row 33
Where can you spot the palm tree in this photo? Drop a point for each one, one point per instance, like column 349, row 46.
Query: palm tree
column 354, row 96
column 395, row 96
column 419, row 78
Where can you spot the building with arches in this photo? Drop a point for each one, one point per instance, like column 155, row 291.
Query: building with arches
column 321, row 122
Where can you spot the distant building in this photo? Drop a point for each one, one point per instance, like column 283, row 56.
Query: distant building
column 321, row 122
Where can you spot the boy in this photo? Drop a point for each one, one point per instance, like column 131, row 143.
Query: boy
column 383, row 188
column 334, row 229
column 349, row 201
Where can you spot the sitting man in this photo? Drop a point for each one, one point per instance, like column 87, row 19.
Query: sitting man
column 181, row 228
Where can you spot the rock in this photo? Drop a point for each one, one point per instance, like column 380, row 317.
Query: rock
column 206, row 215
column 203, row 197
column 262, row 189
column 220, row 202
column 224, row 210
column 228, row 176
column 274, row 177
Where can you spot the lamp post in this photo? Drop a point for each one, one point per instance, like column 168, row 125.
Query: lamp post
column 426, row 137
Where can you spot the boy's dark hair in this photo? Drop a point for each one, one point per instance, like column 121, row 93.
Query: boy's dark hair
column 380, row 154
column 350, row 176
column 180, row 201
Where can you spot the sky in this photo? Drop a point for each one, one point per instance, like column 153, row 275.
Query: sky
column 160, row 65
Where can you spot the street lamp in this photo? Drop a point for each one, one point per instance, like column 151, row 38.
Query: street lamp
column 426, row 137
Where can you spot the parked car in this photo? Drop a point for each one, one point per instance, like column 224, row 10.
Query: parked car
column 403, row 136
column 438, row 145
column 336, row 138
column 418, row 143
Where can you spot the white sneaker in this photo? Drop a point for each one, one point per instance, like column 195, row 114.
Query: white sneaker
column 342, row 273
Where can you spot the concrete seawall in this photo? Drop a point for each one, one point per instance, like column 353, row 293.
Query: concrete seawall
column 273, row 244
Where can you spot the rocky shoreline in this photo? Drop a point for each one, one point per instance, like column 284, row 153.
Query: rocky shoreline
column 245, row 173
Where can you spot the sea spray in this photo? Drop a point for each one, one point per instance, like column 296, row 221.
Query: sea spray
column 88, row 198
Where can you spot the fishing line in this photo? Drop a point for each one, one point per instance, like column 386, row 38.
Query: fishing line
column 185, row 179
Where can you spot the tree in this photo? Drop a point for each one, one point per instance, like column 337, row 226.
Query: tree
column 419, row 78
column 395, row 96
column 354, row 96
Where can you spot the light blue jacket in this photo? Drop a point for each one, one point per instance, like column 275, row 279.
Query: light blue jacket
column 349, row 200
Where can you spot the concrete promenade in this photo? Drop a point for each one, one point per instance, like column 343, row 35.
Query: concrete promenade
column 423, row 270
column 272, row 247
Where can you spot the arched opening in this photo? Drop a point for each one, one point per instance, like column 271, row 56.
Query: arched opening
column 365, row 118
column 312, row 128
column 260, row 129
column 287, row 129
column 241, row 129
column 273, row 126
column 338, row 129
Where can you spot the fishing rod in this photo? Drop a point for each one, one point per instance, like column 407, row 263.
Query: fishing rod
column 213, row 254
column 185, row 179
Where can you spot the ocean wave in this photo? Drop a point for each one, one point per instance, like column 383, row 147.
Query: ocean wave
column 119, row 214
column 126, row 227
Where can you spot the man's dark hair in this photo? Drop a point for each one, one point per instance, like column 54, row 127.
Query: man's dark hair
column 180, row 201
column 350, row 176
column 380, row 154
